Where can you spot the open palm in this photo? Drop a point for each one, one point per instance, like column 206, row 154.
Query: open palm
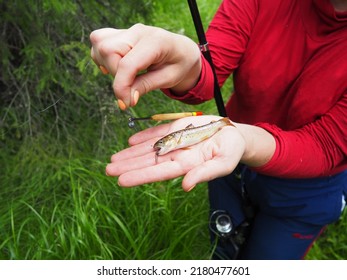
column 209, row 159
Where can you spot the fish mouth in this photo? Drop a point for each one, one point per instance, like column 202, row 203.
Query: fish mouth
column 157, row 149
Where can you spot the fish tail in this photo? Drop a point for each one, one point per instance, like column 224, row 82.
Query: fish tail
column 226, row 121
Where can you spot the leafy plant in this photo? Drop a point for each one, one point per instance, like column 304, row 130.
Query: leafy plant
column 45, row 62
column 58, row 127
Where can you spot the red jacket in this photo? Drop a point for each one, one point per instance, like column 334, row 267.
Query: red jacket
column 289, row 65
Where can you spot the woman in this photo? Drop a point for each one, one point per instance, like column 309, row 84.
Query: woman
column 289, row 65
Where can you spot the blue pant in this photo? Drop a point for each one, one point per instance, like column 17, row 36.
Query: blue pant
column 289, row 214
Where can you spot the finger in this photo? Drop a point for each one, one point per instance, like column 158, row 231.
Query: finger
column 109, row 53
column 160, row 172
column 150, row 133
column 134, row 151
column 165, row 77
column 138, row 59
column 147, row 52
column 95, row 60
column 118, row 167
column 109, row 46
column 98, row 38
column 141, row 143
column 205, row 172
column 133, row 159
column 100, row 34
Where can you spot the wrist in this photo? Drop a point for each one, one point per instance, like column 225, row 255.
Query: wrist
column 191, row 67
column 260, row 145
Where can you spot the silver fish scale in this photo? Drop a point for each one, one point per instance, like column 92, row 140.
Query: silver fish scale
column 189, row 136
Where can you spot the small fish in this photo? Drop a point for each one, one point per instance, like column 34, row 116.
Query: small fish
column 188, row 136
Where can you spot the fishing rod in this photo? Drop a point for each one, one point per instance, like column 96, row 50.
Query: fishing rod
column 163, row 117
column 203, row 44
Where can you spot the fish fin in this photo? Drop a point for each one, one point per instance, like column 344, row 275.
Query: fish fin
column 179, row 138
column 226, row 121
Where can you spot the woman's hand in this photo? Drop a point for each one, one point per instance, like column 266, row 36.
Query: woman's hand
column 164, row 59
column 212, row 158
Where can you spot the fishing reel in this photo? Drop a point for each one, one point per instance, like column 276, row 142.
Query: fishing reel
column 231, row 238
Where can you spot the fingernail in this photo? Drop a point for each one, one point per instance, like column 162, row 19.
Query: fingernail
column 103, row 70
column 136, row 96
column 121, row 105
column 192, row 187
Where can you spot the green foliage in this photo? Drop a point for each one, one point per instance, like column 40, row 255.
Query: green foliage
column 45, row 61
column 174, row 15
column 58, row 127
column 66, row 208
column 332, row 244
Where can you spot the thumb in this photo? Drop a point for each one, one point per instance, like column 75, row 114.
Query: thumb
column 153, row 79
column 205, row 172
column 144, row 68
column 143, row 83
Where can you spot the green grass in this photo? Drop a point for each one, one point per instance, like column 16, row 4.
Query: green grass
column 59, row 205
column 57, row 202
column 64, row 207
column 332, row 244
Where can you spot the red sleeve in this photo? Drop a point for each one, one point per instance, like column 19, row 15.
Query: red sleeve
column 229, row 33
column 227, row 36
column 313, row 150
